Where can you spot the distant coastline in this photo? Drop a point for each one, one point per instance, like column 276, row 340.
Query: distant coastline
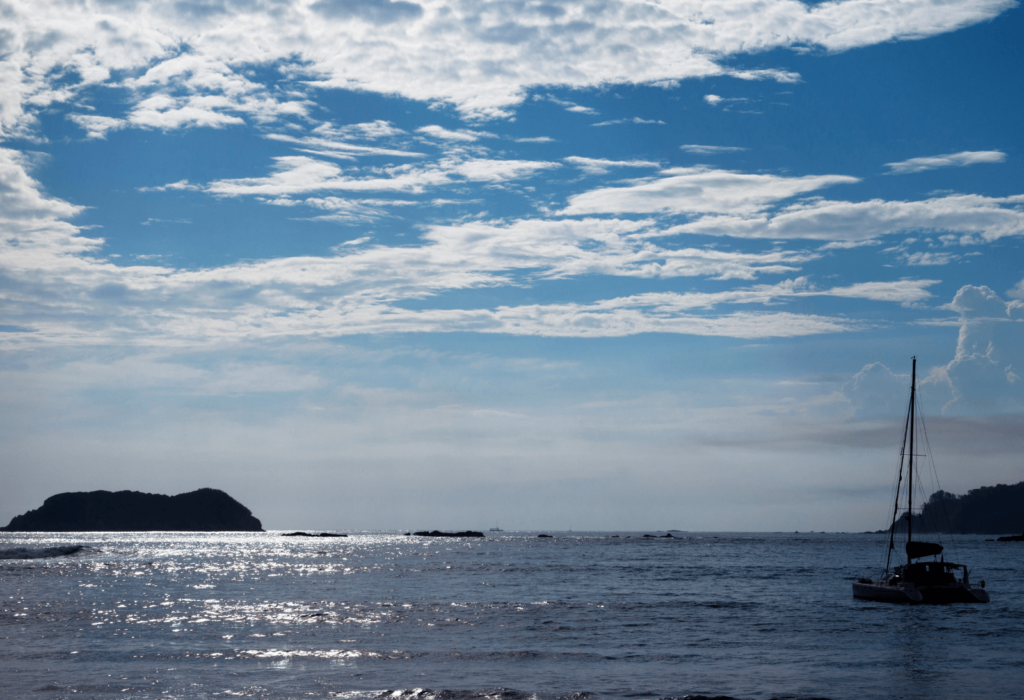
column 204, row 510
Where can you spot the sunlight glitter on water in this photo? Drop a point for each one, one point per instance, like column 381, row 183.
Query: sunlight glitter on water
column 749, row 616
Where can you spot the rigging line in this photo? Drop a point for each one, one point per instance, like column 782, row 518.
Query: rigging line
column 935, row 475
column 899, row 480
column 895, row 500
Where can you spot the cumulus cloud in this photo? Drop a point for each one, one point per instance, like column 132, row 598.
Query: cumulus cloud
column 878, row 392
column 986, row 373
column 917, row 165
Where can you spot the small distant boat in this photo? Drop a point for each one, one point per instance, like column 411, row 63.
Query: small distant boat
column 917, row 581
column 496, row 528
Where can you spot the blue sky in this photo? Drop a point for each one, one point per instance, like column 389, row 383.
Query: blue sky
column 372, row 264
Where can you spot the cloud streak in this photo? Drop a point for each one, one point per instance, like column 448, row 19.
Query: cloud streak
column 60, row 292
column 699, row 190
column 959, row 160
column 971, row 219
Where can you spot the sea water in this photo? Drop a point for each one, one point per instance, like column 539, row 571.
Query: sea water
column 508, row 617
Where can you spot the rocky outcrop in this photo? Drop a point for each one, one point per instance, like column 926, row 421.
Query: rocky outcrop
column 205, row 510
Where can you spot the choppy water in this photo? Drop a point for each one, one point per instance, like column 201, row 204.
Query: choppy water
column 512, row 617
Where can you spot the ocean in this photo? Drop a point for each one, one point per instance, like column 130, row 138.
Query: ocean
column 508, row 617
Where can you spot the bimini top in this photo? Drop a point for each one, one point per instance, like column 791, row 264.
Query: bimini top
column 915, row 550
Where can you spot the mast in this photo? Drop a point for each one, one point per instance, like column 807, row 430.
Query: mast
column 910, row 476
column 896, row 501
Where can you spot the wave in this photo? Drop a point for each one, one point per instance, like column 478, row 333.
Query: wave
column 40, row 552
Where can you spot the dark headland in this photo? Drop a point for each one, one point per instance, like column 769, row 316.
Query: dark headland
column 205, row 510
column 989, row 510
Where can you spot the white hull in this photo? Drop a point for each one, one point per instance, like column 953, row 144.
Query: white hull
column 880, row 590
column 908, row 593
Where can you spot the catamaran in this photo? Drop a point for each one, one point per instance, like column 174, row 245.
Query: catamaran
column 934, row 581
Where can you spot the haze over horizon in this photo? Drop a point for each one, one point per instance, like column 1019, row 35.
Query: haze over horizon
column 383, row 264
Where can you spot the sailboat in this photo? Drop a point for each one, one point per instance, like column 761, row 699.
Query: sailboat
column 917, row 581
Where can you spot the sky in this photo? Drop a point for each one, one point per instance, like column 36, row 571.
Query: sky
column 597, row 265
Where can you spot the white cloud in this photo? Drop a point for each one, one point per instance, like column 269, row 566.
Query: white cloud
column 63, row 296
column 34, row 230
column 373, row 11
column 481, row 57
column 300, row 174
column 634, row 120
column 600, row 166
column 377, row 129
column 905, row 291
column 583, row 321
column 877, row 392
column 704, row 150
column 973, row 218
column 180, row 185
column 927, row 258
column 569, row 106
column 1017, row 291
column 97, row 127
column 986, row 373
column 331, row 145
column 341, row 210
column 699, row 190
column 466, row 135
column 165, row 112
column 712, row 99
column 917, row 165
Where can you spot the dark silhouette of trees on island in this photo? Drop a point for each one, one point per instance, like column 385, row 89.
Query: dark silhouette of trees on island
column 989, row 510
column 205, row 510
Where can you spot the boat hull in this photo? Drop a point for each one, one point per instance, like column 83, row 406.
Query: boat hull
column 885, row 593
column 913, row 595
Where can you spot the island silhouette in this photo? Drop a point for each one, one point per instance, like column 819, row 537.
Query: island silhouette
column 989, row 510
column 204, row 510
